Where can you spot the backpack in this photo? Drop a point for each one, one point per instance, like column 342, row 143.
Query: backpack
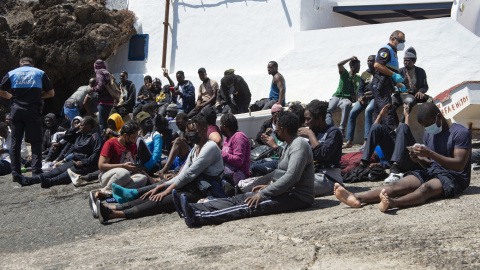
column 352, row 160
column 262, row 151
column 112, row 87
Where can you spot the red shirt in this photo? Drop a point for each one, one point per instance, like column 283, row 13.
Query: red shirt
column 118, row 153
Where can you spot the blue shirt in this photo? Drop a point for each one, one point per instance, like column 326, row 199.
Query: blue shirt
column 187, row 97
column 26, row 85
column 275, row 92
column 445, row 142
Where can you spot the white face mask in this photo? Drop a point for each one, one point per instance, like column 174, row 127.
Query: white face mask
column 400, row 46
column 433, row 128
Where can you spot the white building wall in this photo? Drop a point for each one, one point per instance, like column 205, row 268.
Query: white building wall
column 445, row 49
column 247, row 34
column 466, row 12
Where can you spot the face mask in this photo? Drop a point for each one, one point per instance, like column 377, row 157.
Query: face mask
column 400, row 46
column 147, row 126
column 193, row 137
column 434, row 129
column 274, row 127
column 128, row 144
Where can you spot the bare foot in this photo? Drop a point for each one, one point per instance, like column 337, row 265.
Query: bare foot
column 100, row 195
column 346, row 196
column 385, row 201
column 348, row 144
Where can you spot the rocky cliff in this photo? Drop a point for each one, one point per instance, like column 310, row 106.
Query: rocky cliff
column 64, row 38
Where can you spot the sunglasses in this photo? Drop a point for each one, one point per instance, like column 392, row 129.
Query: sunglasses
column 400, row 40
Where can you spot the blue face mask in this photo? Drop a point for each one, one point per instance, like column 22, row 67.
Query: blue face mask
column 434, row 129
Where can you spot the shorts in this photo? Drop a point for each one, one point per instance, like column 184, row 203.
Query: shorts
column 452, row 183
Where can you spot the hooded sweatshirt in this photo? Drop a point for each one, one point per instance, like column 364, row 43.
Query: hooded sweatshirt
column 118, row 123
column 102, row 77
column 48, row 133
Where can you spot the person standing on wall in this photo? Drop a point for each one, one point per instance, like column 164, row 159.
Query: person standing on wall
column 277, row 90
column 105, row 100
column 386, row 77
column 26, row 86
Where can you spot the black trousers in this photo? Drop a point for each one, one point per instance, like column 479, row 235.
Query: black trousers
column 194, row 112
column 59, row 175
column 395, row 150
column 233, row 208
column 142, row 208
column 382, row 89
column 26, row 120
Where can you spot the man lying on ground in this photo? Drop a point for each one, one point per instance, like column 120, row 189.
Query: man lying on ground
column 291, row 190
column 445, row 157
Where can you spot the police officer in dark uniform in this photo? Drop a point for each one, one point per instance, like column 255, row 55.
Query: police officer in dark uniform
column 386, row 77
column 26, row 86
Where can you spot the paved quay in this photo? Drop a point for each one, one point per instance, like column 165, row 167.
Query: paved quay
column 54, row 229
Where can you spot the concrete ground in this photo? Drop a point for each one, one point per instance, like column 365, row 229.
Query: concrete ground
column 54, row 229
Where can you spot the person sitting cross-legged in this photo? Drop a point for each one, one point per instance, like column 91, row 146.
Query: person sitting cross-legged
column 292, row 188
column 445, row 159
column 117, row 160
column 87, row 144
column 200, row 176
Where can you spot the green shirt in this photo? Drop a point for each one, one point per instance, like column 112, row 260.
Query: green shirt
column 348, row 85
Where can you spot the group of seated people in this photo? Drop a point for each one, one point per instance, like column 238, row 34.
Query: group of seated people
column 210, row 174
column 356, row 89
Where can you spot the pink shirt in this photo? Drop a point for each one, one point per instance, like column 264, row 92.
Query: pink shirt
column 236, row 152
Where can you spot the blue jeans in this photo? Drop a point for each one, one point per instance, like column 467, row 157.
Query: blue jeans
column 352, row 120
column 263, row 167
column 103, row 113
column 345, row 105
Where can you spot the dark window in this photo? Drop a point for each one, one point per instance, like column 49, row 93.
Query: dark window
column 138, row 50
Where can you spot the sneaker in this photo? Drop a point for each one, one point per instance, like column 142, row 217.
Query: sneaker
column 92, row 202
column 188, row 212
column 103, row 212
column 75, row 177
column 393, row 177
column 112, row 200
column 176, row 202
